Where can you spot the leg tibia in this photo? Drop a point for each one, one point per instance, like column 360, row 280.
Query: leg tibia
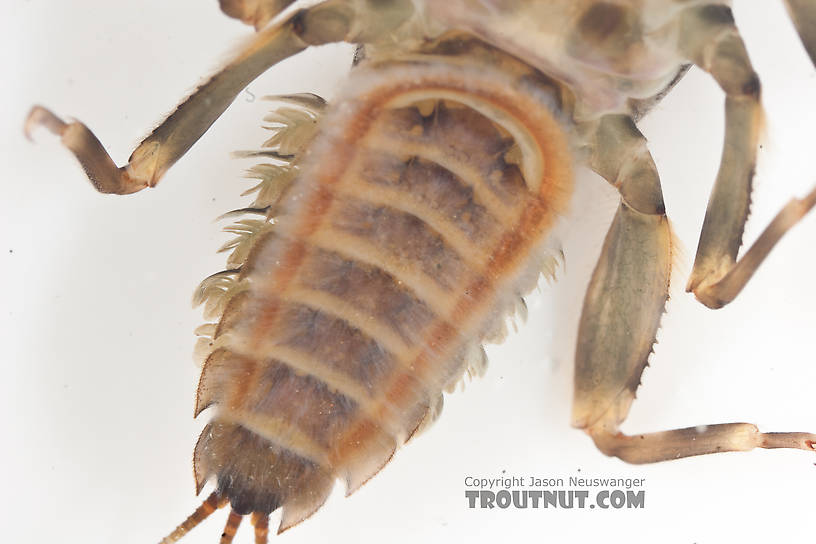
column 702, row 440
column 727, row 211
column 720, row 293
column 103, row 173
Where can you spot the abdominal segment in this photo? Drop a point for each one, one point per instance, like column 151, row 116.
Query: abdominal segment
column 409, row 229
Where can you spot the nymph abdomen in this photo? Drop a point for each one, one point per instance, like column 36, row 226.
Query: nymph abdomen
column 417, row 219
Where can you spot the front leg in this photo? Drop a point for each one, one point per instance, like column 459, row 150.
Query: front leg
column 328, row 22
column 622, row 310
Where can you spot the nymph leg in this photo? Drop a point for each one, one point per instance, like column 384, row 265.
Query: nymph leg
column 330, row 21
column 622, row 310
column 713, row 43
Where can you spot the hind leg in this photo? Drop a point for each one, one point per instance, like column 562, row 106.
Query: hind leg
column 622, row 310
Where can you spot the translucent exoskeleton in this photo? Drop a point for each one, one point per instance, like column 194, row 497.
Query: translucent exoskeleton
column 584, row 336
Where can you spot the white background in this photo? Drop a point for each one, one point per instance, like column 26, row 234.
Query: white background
column 97, row 381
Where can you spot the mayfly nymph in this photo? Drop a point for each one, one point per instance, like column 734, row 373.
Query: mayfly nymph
column 396, row 228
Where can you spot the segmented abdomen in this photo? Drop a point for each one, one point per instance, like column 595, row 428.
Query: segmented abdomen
column 416, row 221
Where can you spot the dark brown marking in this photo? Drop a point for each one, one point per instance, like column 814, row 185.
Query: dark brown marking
column 608, row 35
column 372, row 291
column 336, row 344
column 404, row 238
column 274, row 390
column 600, row 21
column 282, row 392
column 435, row 187
column 241, row 460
